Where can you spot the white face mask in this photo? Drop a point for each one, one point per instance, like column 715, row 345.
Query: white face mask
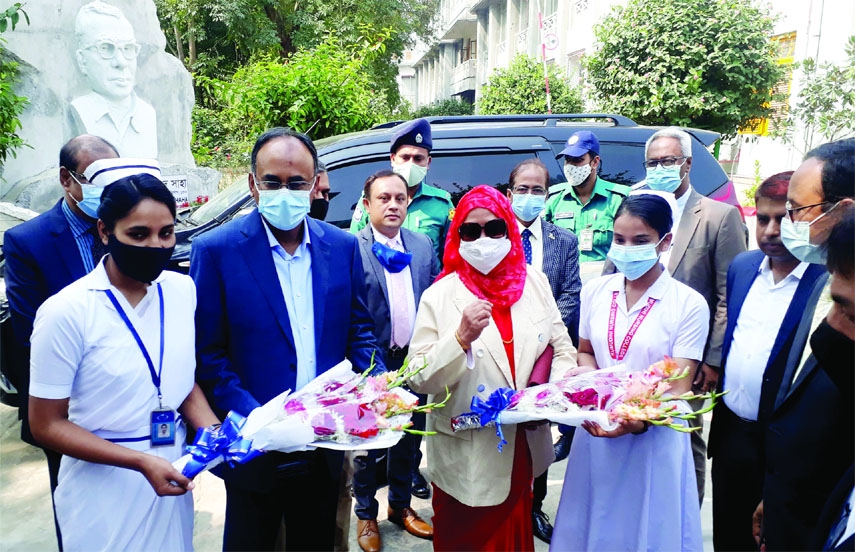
column 796, row 238
column 577, row 175
column 485, row 254
column 412, row 173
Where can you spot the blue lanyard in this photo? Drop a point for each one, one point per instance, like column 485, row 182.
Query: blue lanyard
column 155, row 376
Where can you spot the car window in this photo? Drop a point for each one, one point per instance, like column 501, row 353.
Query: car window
column 220, row 202
column 454, row 173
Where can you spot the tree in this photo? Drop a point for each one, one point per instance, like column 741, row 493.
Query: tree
column 11, row 105
column 521, row 89
column 322, row 91
column 707, row 64
column 825, row 106
column 448, row 106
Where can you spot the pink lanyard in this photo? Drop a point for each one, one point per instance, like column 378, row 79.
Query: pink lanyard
column 632, row 329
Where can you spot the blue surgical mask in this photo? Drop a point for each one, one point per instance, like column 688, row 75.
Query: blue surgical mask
column 664, row 179
column 285, row 208
column 633, row 261
column 392, row 260
column 91, row 199
column 796, row 238
column 528, row 206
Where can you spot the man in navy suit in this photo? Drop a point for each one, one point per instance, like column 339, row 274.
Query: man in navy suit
column 766, row 292
column 399, row 265
column 555, row 251
column 282, row 299
column 809, row 437
column 45, row 254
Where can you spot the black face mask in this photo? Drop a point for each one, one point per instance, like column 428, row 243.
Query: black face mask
column 835, row 353
column 143, row 264
column 318, row 209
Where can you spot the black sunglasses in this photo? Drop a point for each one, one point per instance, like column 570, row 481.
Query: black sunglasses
column 471, row 231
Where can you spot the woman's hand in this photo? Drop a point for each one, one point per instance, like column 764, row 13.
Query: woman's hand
column 163, row 477
column 625, row 427
column 476, row 317
column 580, row 370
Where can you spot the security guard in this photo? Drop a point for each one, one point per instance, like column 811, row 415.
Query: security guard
column 429, row 208
column 585, row 204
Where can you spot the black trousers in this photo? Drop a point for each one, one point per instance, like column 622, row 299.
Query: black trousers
column 53, row 460
column 303, row 493
column 737, row 479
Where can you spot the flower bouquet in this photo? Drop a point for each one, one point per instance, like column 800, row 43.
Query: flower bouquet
column 339, row 410
column 606, row 397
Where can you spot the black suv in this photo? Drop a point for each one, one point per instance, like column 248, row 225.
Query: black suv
column 467, row 151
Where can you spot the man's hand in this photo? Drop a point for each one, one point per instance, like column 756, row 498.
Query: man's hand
column 757, row 527
column 476, row 317
column 706, row 378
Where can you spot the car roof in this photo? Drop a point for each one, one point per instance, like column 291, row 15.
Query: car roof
column 516, row 129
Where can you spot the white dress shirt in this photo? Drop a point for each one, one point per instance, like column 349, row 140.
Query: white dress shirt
column 536, row 240
column 396, row 244
column 756, row 329
column 295, row 279
column 677, row 214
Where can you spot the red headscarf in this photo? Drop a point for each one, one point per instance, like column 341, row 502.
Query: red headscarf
column 504, row 285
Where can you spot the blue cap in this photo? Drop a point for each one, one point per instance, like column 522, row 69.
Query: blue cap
column 414, row 133
column 581, row 143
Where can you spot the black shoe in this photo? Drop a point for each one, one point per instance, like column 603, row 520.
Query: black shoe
column 542, row 527
column 562, row 447
column 420, row 487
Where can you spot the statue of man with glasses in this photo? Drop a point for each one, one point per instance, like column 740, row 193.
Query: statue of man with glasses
column 107, row 56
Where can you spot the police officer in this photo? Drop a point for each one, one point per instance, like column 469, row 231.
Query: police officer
column 586, row 204
column 429, row 208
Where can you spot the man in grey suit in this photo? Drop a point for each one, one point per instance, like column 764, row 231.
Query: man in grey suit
column 555, row 252
column 708, row 235
column 399, row 265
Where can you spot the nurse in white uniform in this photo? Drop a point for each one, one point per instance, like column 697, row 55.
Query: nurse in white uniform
column 112, row 382
column 634, row 488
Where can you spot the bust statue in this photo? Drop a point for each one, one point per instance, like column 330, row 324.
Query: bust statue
column 106, row 54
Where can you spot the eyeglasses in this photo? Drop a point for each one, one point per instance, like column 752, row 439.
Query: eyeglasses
column 792, row 211
column 293, row 185
column 471, row 231
column 107, row 49
column 537, row 190
column 666, row 162
column 79, row 178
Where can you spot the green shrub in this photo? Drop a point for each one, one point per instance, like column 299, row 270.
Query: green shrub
column 521, row 89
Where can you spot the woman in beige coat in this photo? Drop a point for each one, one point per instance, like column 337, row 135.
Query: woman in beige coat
column 480, row 327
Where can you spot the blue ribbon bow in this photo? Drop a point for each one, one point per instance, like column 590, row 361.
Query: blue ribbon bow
column 491, row 410
column 392, row 260
column 225, row 441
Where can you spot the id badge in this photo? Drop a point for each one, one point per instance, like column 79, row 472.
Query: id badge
column 162, row 427
column 586, row 239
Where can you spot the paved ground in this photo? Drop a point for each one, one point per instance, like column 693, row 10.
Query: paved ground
column 26, row 521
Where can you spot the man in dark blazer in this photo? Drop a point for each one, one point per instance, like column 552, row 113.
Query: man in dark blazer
column 773, row 286
column 45, row 254
column 391, row 252
column 708, row 235
column 809, row 437
column 554, row 251
column 282, row 299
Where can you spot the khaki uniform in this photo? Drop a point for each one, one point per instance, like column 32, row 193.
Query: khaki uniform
column 428, row 214
column 593, row 223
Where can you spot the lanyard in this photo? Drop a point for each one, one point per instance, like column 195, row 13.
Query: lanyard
column 632, row 329
column 155, row 376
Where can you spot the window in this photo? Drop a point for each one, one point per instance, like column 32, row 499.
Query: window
column 550, row 7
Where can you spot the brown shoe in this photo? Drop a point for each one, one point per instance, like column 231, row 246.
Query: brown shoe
column 368, row 535
column 410, row 520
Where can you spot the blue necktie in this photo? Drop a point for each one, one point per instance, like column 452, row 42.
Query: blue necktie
column 526, row 240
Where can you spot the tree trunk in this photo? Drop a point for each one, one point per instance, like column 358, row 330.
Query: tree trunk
column 283, row 30
column 179, row 46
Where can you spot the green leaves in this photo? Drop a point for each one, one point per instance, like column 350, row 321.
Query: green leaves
column 11, row 105
column 521, row 89
column 708, row 64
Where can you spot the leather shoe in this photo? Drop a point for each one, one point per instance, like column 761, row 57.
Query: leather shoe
column 542, row 527
column 368, row 535
column 562, row 447
column 420, row 488
column 410, row 520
